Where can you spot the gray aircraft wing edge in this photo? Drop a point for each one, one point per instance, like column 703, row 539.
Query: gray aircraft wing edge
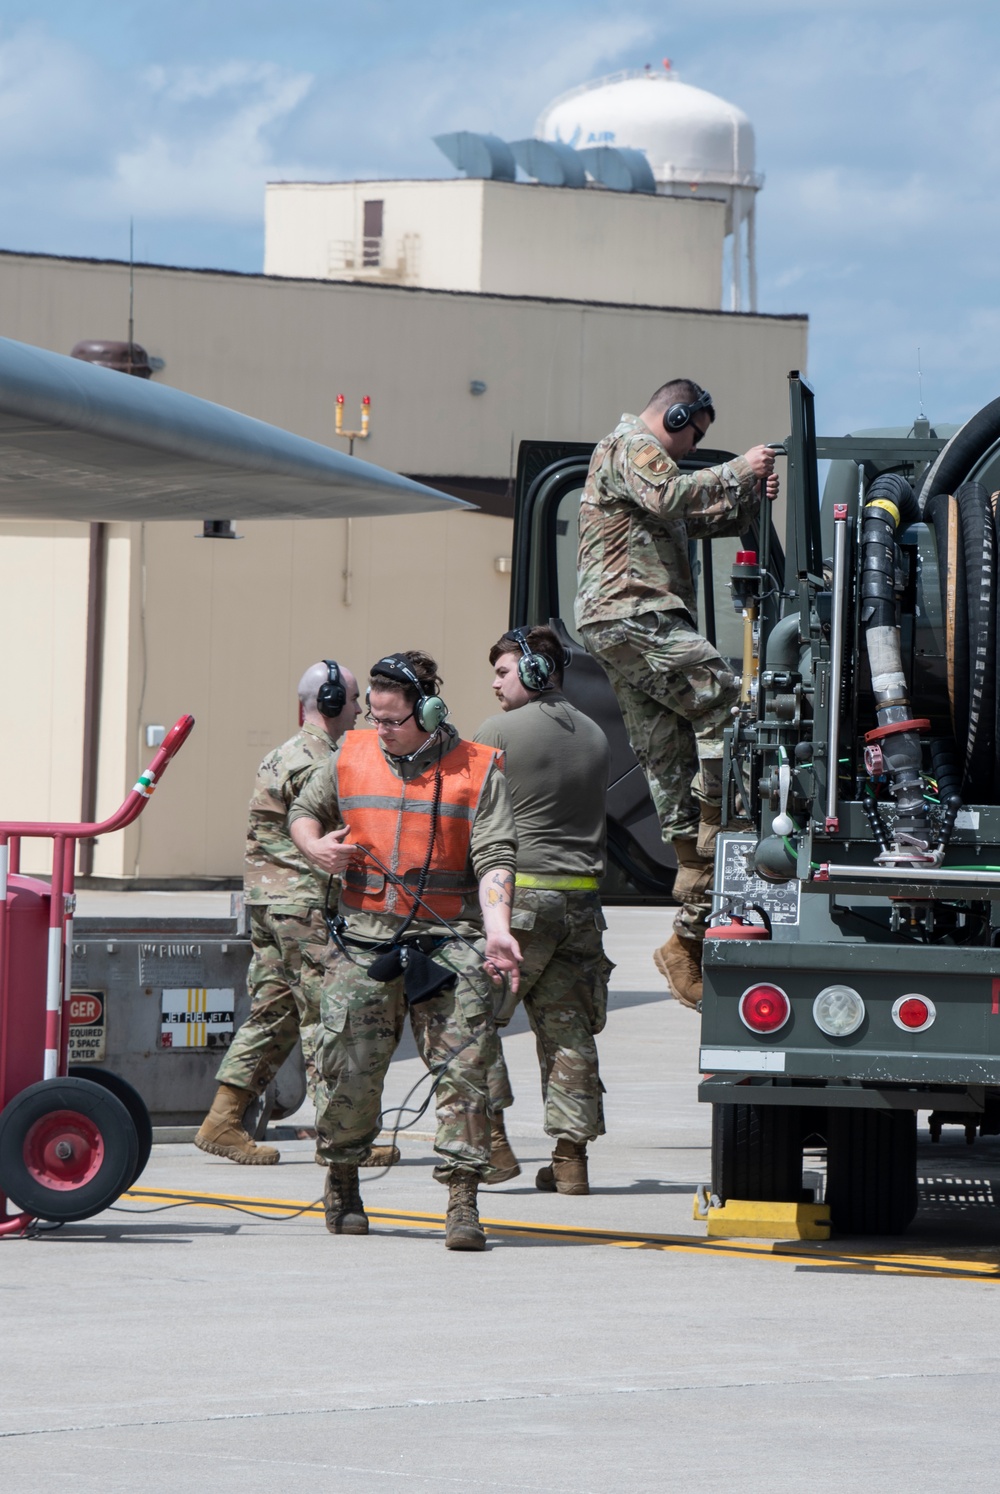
column 84, row 443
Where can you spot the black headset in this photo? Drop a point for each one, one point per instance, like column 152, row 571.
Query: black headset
column 331, row 697
column 679, row 415
column 535, row 671
column 429, row 710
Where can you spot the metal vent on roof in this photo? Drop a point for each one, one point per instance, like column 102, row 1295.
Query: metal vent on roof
column 550, row 162
column 485, row 156
column 618, row 167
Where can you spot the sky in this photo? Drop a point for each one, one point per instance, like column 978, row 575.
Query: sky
column 877, row 126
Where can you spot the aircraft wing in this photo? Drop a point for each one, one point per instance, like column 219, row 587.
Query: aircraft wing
column 87, row 443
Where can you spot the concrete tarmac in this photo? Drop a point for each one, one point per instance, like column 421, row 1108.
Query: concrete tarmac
column 200, row 1349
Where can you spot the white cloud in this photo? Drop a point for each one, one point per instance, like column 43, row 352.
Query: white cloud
column 208, row 162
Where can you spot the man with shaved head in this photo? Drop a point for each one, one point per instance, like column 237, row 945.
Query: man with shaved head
column 286, row 898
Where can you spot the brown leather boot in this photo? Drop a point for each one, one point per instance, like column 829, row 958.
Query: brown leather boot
column 380, row 1156
column 502, row 1160
column 567, row 1172
column 679, row 961
column 462, row 1229
column 222, row 1133
column 345, row 1213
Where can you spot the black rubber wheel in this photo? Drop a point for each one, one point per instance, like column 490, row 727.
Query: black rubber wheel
column 68, row 1149
column 757, row 1152
column 134, row 1104
column 980, row 555
column 871, row 1170
column 942, row 512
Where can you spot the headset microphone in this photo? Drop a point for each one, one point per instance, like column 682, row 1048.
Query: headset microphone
column 331, row 697
column 679, row 415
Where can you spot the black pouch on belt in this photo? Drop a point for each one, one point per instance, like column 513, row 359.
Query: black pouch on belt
column 422, row 977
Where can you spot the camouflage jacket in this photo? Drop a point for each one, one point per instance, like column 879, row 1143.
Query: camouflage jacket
column 637, row 514
column 274, row 869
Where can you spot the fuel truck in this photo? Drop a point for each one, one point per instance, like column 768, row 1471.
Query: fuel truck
column 852, row 968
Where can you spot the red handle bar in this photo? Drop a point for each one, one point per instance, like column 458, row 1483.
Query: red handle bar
column 130, row 810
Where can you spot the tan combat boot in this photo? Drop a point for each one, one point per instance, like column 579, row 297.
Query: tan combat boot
column 679, row 961
column 502, row 1160
column 345, row 1213
column 222, row 1133
column 462, row 1229
column 380, row 1156
column 567, row 1172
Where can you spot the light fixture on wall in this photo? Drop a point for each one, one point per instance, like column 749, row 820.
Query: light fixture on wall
column 503, row 565
column 477, row 386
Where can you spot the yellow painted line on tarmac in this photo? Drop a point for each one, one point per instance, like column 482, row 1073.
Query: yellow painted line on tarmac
column 979, row 1266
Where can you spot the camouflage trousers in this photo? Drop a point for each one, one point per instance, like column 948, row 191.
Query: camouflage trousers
column 676, row 694
column 564, row 987
column 292, row 953
column 360, row 1028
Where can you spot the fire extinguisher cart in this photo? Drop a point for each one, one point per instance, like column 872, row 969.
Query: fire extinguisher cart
column 69, row 1145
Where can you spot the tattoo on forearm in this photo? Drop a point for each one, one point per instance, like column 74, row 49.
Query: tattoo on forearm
column 500, row 889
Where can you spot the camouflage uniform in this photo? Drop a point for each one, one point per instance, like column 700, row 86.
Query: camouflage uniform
column 362, row 1023
column 285, row 897
column 564, row 987
column 634, row 609
column 362, row 1019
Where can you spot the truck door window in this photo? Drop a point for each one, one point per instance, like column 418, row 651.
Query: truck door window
column 566, row 530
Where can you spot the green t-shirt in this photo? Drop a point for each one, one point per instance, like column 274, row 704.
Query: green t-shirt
column 557, row 774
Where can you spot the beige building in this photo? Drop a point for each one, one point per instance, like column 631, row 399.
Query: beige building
column 500, row 238
column 223, row 628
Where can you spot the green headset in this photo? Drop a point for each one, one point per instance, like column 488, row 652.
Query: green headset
column 429, row 710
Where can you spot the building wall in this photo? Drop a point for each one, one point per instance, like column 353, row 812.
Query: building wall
column 504, row 238
column 224, row 628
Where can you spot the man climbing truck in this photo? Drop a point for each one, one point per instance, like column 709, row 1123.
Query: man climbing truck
column 851, row 974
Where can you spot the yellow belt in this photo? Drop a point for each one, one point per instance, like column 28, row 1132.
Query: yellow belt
column 557, row 884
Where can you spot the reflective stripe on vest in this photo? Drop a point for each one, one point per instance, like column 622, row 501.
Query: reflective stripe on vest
column 392, row 818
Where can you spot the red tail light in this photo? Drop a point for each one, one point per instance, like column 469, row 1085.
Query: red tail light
column 764, row 1008
column 913, row 1013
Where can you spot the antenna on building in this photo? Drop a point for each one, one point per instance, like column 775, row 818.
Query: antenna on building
column 920, row 387
column 131, row 293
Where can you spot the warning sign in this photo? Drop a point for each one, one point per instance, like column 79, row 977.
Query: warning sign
column 88, row 1033
column 194, row 1017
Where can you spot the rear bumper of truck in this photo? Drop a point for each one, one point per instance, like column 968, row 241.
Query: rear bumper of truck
column 953, row 1064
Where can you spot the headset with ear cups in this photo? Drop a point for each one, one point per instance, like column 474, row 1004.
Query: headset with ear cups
column 331, row 697
column 535, row 671
column 429, row 710
column 679, row 415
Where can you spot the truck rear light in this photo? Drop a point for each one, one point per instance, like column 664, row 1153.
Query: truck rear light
column 838, row 1011
column 913, row 1013
column 764, row 1008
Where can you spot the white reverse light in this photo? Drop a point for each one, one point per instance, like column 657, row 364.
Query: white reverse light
column 838, row 1011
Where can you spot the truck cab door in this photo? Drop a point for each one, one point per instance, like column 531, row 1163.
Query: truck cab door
column 550, row 481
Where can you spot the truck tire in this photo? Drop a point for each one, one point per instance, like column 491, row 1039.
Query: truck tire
column 757, row 1152
column 871, row 1170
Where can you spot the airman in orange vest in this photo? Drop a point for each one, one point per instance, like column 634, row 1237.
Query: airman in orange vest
column 418, row 826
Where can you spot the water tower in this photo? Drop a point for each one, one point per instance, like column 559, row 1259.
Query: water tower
column 696, row 143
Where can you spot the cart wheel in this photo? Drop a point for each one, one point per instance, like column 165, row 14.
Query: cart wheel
column 68, row 1148
column 133, row 1102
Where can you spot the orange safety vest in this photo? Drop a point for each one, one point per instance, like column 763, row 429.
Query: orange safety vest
column 392, row 818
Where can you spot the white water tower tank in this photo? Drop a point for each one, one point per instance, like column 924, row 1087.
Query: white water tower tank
column 697, row 144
